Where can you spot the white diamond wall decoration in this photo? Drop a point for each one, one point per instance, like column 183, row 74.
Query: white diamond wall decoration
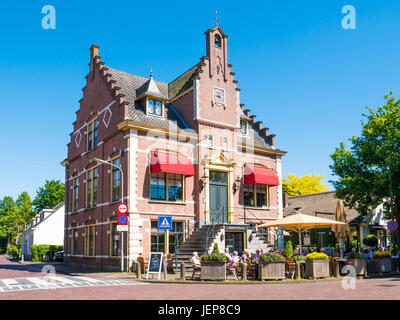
column 107, row 117
column 78, row 138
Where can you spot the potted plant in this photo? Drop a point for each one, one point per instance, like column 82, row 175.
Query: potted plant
column 317, row 265
column 213, row 266
column 370, row 240
column 382, row 262
column 271, row 266
column 358, row 261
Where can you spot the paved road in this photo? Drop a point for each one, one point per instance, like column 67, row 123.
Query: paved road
column 374, row 289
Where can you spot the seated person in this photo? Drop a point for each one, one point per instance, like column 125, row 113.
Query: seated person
column 235, row 258
column 368, row 254
column 196, row 259
column 245, row 256
column 226, row 254
column 296, row 253
column 256, row 256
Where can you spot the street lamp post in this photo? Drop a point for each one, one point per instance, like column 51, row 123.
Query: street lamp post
column 122, row 200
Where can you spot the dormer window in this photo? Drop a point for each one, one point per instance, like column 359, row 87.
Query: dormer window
column 154, row 107
column 217, row 41
column 243, row 126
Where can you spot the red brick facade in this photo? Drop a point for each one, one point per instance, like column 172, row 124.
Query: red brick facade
column 191, row 112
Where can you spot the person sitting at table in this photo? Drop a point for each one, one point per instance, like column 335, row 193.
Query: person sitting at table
column 368, row 254
column 227, row 255
column 245, row 256
column 305, row 252
column 296, row 253
column 196, row 259
column 235, row 258
column 257, row 255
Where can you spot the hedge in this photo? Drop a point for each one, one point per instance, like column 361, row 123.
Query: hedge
column 40, row 250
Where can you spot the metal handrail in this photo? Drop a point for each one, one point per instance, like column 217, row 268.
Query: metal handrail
column 211, row 231
column 184, row 237
column 255, row 216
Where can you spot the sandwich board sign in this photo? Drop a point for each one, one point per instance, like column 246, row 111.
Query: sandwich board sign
column 164, row 223
column 155, row 264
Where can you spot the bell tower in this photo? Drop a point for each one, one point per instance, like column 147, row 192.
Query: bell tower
column 216, row 44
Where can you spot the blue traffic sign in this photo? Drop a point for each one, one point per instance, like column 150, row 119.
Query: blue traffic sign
column 165, row 223
column 122, row 219
column 392, row 225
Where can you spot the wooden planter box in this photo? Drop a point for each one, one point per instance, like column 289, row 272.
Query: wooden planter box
column 359, row 264
column 274, row 270
column 317, row 268
column 213, row 270
column 382, row 265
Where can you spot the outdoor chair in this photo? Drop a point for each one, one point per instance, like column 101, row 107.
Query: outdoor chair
column 234, row 270
column 332, row 266
column 251, row 269
column 143, row 263
column 195, row 268
column 291, row 271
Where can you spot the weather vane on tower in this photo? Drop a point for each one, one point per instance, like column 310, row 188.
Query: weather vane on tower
column 216, row 18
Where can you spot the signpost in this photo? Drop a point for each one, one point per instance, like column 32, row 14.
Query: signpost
column 122, row 226
column 155, row 263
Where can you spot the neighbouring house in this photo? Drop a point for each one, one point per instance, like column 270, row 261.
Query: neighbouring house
column 186, row 148
column 323, row 205
column 46, row 227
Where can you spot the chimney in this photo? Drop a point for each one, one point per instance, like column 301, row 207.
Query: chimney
column 264, row 131
column 285, row 199
column 258, row 124
column 94, row 51
column 242, row 106
column 271, row 139
column 247, row 112
column 253, row 118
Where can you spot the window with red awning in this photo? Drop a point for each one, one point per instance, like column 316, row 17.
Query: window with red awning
column 171, row 163
column 260, row 175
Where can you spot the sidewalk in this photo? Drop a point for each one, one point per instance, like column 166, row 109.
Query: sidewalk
column 80, row 271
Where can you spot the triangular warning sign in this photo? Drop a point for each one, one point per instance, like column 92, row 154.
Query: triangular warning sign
column 165, row 224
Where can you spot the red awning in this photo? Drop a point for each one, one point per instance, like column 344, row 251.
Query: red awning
column 260, row 175
column 171, row 163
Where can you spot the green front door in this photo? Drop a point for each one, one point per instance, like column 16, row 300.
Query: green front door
column 218, row 197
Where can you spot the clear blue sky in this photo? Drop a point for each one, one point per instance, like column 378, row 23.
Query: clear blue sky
column 304, row 76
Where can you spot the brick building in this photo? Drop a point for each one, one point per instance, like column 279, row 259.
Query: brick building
column 188, row 149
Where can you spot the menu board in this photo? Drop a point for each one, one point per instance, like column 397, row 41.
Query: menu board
column 155, row 263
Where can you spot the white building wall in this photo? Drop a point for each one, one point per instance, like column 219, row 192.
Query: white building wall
column 51, row 229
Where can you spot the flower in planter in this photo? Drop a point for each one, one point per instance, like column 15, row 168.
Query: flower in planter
column 213, row 257
column 317, row 256
column 299, row 258
column 381, row 255
column 355, row 255
column 269, row 257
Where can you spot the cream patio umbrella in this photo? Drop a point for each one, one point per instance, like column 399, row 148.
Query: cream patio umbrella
column 300, row 223
column 341, row 231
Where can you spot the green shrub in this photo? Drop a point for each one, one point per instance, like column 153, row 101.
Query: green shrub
column 355, row 255
column 35, row 253
column 13, row 251
column 317, row 256
column 43, row 250
column 269, row 257
column 216, row 249
column 213, row 257
column 289, row 249
column 370, row 240
column 381, row 255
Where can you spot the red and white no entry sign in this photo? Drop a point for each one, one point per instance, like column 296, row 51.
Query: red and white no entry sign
column 122, row 208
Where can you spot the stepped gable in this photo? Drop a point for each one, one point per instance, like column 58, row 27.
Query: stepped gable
column 257, row 135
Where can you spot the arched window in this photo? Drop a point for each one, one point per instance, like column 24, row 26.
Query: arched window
column 225, row 143
column 210, row 141
column 217, row 41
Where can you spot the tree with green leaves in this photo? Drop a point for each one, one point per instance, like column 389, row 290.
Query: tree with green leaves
column 309, row 183
column 369, row 172
column 50, row 195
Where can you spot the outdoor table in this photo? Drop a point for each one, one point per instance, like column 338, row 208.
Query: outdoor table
column 338, row 263
column 298, row 269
